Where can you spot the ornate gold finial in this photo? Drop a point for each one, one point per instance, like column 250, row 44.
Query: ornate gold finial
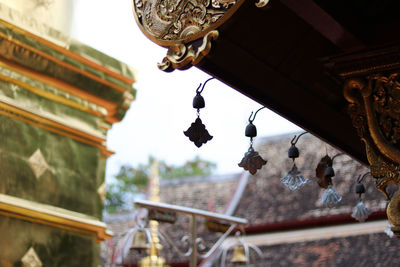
column 186, row 27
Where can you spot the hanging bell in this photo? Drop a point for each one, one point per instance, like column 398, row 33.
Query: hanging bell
column 293, row 152
column 251, row 130
column 198, row 101
column 140, row 241
column 360, row 189
column 330, row 197
column 329, row 172
column 238, row 255
column 360, row 212
column 294, row 179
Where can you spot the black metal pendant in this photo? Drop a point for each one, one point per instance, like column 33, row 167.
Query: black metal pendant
column 198, row 133
column 252, row 161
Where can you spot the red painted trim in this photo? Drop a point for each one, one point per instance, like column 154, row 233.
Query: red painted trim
column 172, row 264
column 311, row 223
column 179, row 264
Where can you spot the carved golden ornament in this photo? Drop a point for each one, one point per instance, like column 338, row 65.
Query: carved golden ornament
column 182, row 56
column 375, row 112
column 177, row 24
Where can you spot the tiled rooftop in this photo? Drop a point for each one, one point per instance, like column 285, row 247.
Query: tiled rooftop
column 370, row 250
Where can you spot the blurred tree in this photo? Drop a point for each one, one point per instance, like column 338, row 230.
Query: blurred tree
column 194, row 167
column 131, row 181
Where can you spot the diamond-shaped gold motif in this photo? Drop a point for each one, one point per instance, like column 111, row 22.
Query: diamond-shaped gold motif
column 31, row 259
column 38, row 163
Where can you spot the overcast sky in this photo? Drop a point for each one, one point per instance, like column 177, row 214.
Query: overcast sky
column 155, row 122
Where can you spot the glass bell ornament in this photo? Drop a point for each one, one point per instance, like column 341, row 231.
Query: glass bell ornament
column 330, row 197
column 294, row 179
column 388, row 230
column 360, row 212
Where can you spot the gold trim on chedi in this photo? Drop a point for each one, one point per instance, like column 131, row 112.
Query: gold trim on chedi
column 73, row 68
column 44, row 34
column 53, row 216
column 176, row 24
column 34, row 118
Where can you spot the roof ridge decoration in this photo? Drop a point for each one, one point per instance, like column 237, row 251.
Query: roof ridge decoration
column 185, row 27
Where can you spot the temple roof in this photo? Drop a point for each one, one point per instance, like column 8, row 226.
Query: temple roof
column 375, row 249
column 265, row 201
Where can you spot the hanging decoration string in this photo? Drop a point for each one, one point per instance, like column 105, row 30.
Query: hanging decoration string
column 197, row 131
column 198, row 91
column 294, row 179
column 252, row 161
column 325, row 172
column 360, row 211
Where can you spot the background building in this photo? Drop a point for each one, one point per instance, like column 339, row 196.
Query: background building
column 291, row 227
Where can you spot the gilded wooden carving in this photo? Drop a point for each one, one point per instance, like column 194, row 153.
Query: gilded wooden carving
column 177, row 24
column 181, row 56
column 375, row 111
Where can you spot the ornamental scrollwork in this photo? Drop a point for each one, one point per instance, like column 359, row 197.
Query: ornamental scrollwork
column 182, row 56
column 374, row 107
column 178, row 23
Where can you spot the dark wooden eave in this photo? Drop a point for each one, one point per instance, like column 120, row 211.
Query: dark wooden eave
column 275, row 56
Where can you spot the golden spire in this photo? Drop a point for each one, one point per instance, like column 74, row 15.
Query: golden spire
column 153, row 260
